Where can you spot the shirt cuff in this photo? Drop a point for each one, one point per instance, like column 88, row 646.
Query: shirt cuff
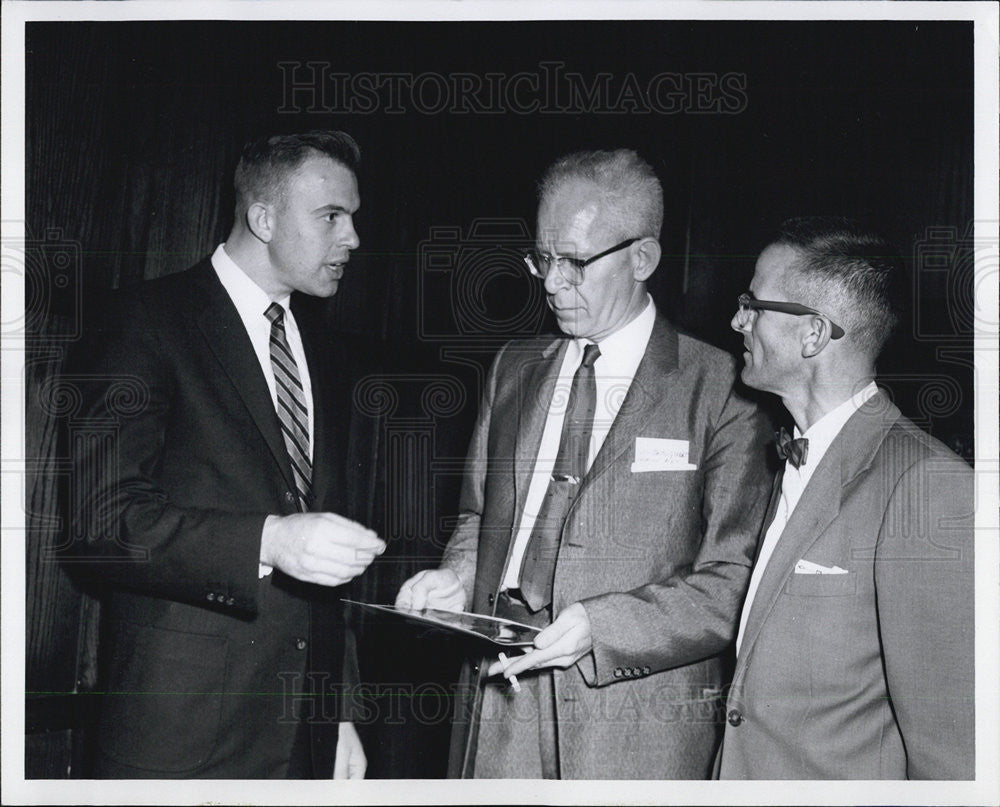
column 263, row 570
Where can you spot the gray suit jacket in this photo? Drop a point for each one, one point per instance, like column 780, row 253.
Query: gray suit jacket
column 660, row 560
column 868, row 674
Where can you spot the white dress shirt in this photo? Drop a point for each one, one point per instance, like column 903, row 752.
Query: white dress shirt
column 793, row 483
column 614, row 371
column 251, row 302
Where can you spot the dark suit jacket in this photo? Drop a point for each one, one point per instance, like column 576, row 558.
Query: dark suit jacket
column 869, row 674
column 659, row 559
column 179, row 460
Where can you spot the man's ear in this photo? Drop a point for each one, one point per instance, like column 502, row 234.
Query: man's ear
column 647, row 252
column 816, row 337
column 260, row 221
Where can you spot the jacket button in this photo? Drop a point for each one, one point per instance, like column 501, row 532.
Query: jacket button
column 646, row 670
column 491, row 599
column 735, row 717
column 300, row 644
column 618, row 672
column 211, row 597
column 230, row 601
column 289, row 497
column 636, row 672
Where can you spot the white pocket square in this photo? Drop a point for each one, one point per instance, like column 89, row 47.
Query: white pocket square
column 808, row 567
column 661, row 454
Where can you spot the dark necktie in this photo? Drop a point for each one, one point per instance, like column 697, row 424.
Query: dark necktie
column 292, row 412
column 539, row 564
column 794, row 450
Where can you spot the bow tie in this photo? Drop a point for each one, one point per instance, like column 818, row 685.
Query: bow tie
column 793, row 450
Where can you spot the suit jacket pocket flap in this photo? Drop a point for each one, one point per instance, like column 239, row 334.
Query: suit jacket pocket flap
column 821, row 585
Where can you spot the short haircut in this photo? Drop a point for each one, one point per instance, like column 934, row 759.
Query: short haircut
column 267, row 162
column 849, row 272
column 631, row 191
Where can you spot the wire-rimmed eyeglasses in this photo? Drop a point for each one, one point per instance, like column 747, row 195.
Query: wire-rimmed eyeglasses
column 571, row 269
column 748, row 304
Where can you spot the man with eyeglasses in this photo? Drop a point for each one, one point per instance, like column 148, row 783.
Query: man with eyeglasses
column 613, row 491
column 855, row 644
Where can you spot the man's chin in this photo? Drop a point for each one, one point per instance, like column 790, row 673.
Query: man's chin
column 746, row 375
column 569, row 324
column 327, row 289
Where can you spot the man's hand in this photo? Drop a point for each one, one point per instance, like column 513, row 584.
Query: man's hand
column 321, row 548
column 432, row 588
column 350, row 762
column 561, row 644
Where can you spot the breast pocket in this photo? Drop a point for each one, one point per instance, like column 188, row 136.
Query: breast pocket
column 163, row 704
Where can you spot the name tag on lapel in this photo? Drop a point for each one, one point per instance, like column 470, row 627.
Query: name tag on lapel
column 661, row 454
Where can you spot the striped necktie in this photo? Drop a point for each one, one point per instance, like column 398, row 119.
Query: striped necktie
column 293, row 415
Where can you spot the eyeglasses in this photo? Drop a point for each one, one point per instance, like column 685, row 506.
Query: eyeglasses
column 749, row 304
column 571, row 269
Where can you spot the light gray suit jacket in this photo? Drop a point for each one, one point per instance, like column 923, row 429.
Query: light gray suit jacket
column 868, row 674
column 660, row 560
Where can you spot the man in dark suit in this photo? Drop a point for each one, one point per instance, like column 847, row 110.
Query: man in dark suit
column 855, row 648
column 615, row 481
column 208, row 497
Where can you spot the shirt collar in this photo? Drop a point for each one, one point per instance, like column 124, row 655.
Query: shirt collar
column 629, row 341
column 823, row 432
column 249, row 298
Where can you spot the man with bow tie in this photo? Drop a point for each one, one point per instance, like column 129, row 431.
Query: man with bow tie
column 855, row 642
column 615, row 485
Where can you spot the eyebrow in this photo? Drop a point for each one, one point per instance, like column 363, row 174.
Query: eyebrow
column 557, row 254
column 333, row 209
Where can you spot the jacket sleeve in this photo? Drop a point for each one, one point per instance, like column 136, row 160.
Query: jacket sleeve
column 693, row 614
column 924, row 577
column 130, row 532
column 461, row 552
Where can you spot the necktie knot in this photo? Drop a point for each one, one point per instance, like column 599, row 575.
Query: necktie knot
column 591, row 353
column 276, row 314
column 792, row 449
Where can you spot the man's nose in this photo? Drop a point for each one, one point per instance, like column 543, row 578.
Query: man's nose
column 350, row 236
column 554, row 280
column 736, row 325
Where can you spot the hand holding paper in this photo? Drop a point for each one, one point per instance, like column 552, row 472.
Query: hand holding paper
column 432, row 588
column 561, row 644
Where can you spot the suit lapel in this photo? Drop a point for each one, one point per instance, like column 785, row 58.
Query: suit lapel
column 537, row 385
column 851, row 452
column 772, row 509
column 227, row 338
column 645, row 395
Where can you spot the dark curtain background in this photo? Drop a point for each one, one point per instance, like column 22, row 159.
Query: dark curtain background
column 133, row 130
